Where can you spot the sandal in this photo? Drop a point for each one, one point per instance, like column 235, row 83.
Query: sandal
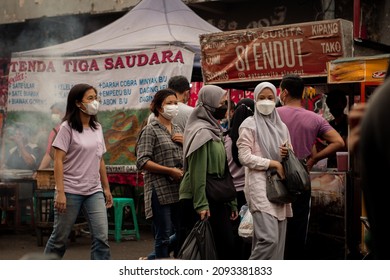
column 143, row 258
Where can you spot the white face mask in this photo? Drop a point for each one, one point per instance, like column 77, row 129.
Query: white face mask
column 265, row 107
column 55, row 118
column 92, row 108
column 170, row 111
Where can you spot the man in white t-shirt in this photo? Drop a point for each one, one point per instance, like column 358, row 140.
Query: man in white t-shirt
column 182, row 87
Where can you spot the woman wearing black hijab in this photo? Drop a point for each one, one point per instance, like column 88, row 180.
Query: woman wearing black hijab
column 245, row 108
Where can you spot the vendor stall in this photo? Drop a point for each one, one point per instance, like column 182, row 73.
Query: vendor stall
column 328, row 228
column 367, row 71
column 16, row 198
column 128, row 181
column 363, row 75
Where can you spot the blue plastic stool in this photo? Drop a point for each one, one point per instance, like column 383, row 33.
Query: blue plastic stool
column 119, row 205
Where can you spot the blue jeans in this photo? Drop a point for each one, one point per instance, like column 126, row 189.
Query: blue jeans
column 165, row 218
column 95, row 212
column 172, row 243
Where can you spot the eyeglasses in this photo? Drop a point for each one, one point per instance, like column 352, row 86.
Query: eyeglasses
column 92, row 98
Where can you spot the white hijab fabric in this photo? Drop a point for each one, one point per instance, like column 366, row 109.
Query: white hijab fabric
column 271, row 132
column 201, row 125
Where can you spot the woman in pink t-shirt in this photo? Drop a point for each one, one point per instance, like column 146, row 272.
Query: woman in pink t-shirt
column 80, row 175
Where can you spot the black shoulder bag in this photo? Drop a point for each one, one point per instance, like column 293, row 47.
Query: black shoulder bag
column 276, row 189
column 221, row 189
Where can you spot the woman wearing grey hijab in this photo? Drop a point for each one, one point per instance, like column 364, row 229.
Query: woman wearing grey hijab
column 261, row 146
column 204, row 152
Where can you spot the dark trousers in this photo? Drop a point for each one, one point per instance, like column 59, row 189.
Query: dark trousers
column 297, row 227
column 165, row 220
column 222, row 230
column 188, row 218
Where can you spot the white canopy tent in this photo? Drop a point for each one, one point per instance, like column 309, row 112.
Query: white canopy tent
column 128, row 61
column 150, row 24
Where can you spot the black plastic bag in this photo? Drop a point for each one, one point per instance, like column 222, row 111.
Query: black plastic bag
column 199, row 244
column 297, row 175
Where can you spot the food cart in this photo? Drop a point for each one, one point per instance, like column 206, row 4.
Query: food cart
column 366, row 71
column 363, row 75
column 16, row 198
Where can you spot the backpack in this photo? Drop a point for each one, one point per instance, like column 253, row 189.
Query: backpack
column 52, row 149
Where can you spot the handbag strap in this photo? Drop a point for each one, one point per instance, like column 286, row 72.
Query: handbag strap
column 227, row 170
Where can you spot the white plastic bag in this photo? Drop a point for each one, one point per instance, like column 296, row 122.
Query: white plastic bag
column 245, row 229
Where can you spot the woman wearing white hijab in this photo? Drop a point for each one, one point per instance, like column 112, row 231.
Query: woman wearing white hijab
column 260, row 142
column 204, row 152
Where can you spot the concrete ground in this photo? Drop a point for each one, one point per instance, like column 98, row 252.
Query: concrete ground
column 15, row 245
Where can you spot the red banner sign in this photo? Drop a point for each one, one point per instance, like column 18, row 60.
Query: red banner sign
column 270, row 53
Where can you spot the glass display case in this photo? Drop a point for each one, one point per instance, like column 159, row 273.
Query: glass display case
column 327, row 233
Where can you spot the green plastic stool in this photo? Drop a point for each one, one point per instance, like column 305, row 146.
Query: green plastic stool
column 119, row 205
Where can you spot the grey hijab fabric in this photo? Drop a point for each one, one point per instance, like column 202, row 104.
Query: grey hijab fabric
column 271, row 132
column 201, row 125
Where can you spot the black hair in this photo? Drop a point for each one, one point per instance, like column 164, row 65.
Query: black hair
column 72, row 115
column 294, row 85
column 335, row 96
column 232, row 104
column 179, row 84
column 244, row 108
column 158, row 100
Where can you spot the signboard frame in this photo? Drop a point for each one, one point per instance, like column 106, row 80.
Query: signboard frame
column 271, row 52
